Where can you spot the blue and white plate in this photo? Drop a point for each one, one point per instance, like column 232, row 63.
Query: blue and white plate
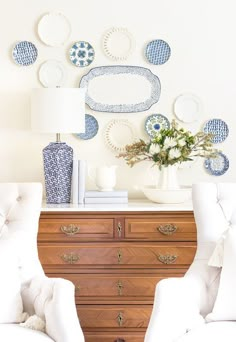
column 24, row 53
column 154, row 123
column 81, row 54
column 91, row 128
column 217, row 166
column 158, row 51
column 218, row 128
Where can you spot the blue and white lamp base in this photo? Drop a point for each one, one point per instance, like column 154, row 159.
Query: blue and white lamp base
column 58, row 163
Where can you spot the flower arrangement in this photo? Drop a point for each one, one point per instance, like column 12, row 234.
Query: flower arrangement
column 170, row 146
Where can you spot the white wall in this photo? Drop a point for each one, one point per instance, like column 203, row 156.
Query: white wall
column 201, row 34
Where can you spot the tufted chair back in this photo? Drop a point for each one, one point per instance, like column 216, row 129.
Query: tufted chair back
column 215, row 211
column 20, row 205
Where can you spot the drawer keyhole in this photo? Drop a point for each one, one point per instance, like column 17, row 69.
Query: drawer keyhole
column 119, row 257
column 120, row 319
column 119, row 287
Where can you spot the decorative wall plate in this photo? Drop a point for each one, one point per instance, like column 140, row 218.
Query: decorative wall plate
column 217, row 166
column 118, row 43
column 188, row 108
column 82, row 54
column 158, row 51
column 54, row 29
column 144, row 89
column 52, row 74
column 154, row 123
column 24, row 53
column 218, row 128
column 118, row 134
column 91, row 128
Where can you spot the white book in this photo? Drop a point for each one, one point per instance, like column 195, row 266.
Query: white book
column 105, row 200
column 81, row 180
column 75, row 182
column 102, row 194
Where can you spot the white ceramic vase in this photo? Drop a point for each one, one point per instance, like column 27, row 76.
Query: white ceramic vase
column 168, row 179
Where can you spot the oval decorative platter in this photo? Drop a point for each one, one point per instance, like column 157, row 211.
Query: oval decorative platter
column 144, row 89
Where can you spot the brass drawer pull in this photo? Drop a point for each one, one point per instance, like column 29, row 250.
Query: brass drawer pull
column 70, row 230
column 119, row 340
column 167, row 229
column 70, row 258
column 120, row 319
column 119, row 229
column 119, row 287
column 167, row 258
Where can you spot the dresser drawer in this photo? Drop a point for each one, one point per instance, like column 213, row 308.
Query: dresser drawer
column 114, row 316
column 75, row 229
column 115, row 286
column 164, row 228
column 116, row 336
column 118, row 255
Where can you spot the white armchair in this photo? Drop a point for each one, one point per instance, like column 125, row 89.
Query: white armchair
column 50, row 299
column 181, row 304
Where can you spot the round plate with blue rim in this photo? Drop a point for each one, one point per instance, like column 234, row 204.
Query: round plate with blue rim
column 218, row 128
column 154, row 123
column 217, row 166
column 24, row 53
column 81, row 54
column 158, row 51
column 91, row 128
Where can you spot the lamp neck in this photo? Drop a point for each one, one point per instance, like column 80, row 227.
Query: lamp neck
column 58, row 137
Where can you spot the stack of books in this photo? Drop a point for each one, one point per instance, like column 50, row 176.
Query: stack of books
column 78, row 181
column 106, row 197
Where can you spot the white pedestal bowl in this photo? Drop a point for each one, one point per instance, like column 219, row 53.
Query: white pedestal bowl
column 166, row 195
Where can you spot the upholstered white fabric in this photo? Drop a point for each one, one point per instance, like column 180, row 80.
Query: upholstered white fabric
column 225, row 305
column 181, row 304
column 16, row 333
column 50, row 299
column 212, row 332
column 11, row 306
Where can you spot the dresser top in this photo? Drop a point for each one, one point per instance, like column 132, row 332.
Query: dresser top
column 133, row 205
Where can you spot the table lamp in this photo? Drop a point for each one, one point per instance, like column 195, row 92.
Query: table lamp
column 58, row 110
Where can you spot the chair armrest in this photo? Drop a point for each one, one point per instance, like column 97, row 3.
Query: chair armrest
column 52, row 299
column 176, row 308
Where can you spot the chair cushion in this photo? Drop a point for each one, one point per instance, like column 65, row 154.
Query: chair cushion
column 225, row 305
column 14, row 332
column 212, row 332
column 11, row 308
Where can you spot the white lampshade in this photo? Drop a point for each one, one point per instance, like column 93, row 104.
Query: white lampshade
column 58, row 110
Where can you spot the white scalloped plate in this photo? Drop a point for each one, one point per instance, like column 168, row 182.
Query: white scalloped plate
column 118, row 43
column 52, row 74
column 188, row 108
column 118, row 134
column 54, row 29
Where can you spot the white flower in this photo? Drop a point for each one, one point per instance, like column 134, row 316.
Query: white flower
column 154, row 149
column 181, row 142
column 174, row 153
column 169, row 142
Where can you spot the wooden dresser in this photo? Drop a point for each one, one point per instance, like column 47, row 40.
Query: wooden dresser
column 115, row 256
